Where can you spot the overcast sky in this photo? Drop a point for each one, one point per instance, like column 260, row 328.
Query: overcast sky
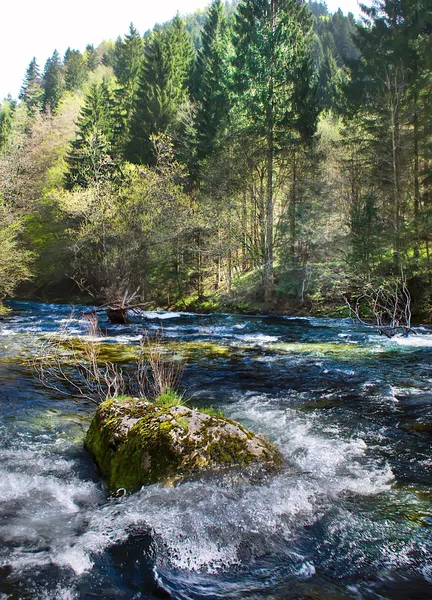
column 36, row 27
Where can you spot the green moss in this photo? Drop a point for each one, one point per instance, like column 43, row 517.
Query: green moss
column 183, row 423
column 323, row 349
column 106, row 352
column 135, row 442
column 4, row 310
column 230, row 450
column 212, row 412
column 146, row 457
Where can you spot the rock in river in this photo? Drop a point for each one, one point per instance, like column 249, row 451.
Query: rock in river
column 135, row 442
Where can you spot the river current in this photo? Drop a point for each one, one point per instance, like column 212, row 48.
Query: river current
column 350, row 516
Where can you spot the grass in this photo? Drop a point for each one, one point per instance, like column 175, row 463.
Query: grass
column 169, row 399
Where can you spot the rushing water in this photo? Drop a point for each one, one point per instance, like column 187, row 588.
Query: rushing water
column 349, row 517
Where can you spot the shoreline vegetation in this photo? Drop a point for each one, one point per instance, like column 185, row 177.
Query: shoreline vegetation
column 253, row 157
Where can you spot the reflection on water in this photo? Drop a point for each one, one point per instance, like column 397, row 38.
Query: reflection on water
column 350, row 517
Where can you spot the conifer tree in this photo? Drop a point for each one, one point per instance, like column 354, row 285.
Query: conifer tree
column 273, row 75
column 165, row 77
column 53, row 82
column 128, row 65
column 91, row 57
column 92, row 156
column 75, row 69
column 212, row 81
column 31, row 91
column 129, row 57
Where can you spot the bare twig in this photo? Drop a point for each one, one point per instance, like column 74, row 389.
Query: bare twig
column 73, row 368
column 388, row 304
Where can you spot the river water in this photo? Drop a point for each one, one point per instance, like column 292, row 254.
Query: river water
column 349, row 517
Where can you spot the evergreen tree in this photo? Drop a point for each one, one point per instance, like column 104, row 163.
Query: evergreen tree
column 31, row 91
column 130, row 55
column 75, row 69
column 128, row 66
column 53, row 82
column 212, row 81
column 273, row 75
column 386, row 89
column 163, row 91
column 91, row 57
column 92, row 156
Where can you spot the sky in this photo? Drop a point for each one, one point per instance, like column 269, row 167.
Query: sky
column 35, row 28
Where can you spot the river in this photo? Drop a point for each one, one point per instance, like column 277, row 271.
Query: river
column 349, row 517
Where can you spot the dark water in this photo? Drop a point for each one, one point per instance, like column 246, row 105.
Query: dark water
column 350, row 517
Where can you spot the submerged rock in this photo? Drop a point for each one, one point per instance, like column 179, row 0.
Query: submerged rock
column 135, row 442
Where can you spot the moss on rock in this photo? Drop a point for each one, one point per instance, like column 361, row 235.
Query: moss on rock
column 135, row 442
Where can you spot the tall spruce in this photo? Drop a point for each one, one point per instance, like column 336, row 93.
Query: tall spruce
column 387, row 77
column 75, row 69
column 129, row 57
column 31, row 91
column 212, row 81
column 163, row 91
column 273, row 73
column 53, row 82
column 92, row 157
column 91, row 57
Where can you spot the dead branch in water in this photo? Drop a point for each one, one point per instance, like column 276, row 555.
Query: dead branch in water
column 389, row 304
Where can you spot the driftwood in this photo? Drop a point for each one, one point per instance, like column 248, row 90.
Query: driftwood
column 117, row 304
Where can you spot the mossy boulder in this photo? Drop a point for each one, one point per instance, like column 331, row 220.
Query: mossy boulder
column 135, row 442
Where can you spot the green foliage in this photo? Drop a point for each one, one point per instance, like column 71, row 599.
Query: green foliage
column 52, row 82
column 165, row 79
column 212, row 412
column 14, row 259
column 32, row 91
column 212, row 81
column 273, row 44
column 92, row 156
column 244, row 197
column 75, row 69
column 6, row 119
column 91, row 57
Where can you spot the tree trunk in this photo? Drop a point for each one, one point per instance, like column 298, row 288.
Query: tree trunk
column 396, row 150
column 293, row 211
column 269, row 208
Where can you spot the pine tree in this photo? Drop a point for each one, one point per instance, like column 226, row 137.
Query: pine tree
column 163, row 91
column 91, row 57
column 130, row 54
column 31, row 91
column 53, row 82
column 212, row 81
column 75, row 69
column 384, row 88
column 128, row 65
column 273, row 75
column 92, row 156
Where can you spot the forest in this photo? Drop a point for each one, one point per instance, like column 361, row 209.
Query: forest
column 259, row 155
